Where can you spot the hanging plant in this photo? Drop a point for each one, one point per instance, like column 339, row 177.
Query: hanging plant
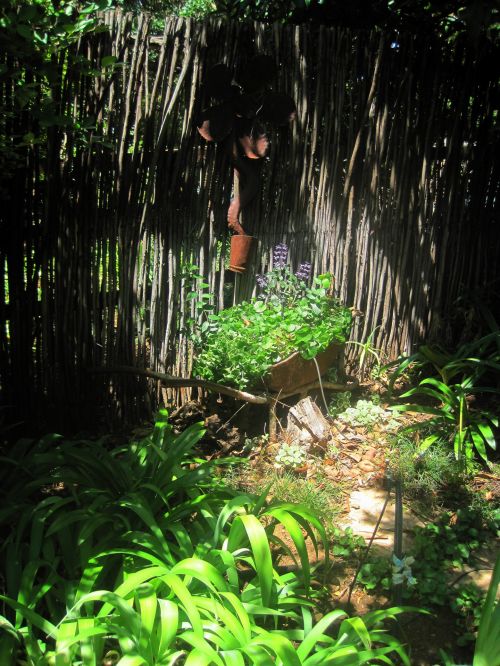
column 240, row 112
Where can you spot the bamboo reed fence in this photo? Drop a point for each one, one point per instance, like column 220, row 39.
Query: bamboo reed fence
column 388, row 179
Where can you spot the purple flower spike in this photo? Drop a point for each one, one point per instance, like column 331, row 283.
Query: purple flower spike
column 304, row 271
column 261, row 281
column 280, row 255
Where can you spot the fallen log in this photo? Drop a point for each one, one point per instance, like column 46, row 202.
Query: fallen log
column 179, row 382
column 306, row 424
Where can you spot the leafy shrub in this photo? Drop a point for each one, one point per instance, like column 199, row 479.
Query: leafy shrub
column 440, row 548
column 376, row 574
column 238, row 345
column 467, row 605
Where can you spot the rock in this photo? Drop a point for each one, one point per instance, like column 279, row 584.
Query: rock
column 366, row 466
column 370, row 453
column 365, row 508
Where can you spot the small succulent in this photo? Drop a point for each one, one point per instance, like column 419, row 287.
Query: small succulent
column 290, row 456
column 367, row 414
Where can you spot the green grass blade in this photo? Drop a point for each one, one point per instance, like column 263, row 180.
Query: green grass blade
column 31, row 616
column 232, row 658
column 317, row 631
column 295, row 531
column 203, row 571
column 147, row 600
column 167, row 627
column 227, row 566
column 242, row 614
column 133, row 581
column 203, row 653
column 229, row 621
column 280, row 646
column 180, row 590
column 354, row 626
column 487, row 650
column 137, row 504
column 132, row 660
column 261, row 553
column 234, row 506
column 308, row 520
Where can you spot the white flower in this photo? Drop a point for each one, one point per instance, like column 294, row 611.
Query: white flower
column 401, row 570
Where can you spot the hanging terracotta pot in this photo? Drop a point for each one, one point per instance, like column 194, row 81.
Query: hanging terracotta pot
column 241, row 247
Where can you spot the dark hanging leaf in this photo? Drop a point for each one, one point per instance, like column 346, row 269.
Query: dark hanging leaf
column 258, row 74
column 218, row 82
column 247, row 106
column 216, row 122
column 234, row 91
column 244, row 126
column 278, row 109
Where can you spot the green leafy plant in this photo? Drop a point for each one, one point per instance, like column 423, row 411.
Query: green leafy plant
column 448, row 544
column 202, row 302
column 367, row 352
column 487, row 647
column 346, row 543
column 401, row 570
column 189, row 614
column 339, row 402
column 238, row 345
column 321, row 495
column 137, row 555
column 473, row 359
column 252, row 443
column 381, row 573
column 367, row 414
column 455, row 419
column 467, row 604
column 376, row 574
